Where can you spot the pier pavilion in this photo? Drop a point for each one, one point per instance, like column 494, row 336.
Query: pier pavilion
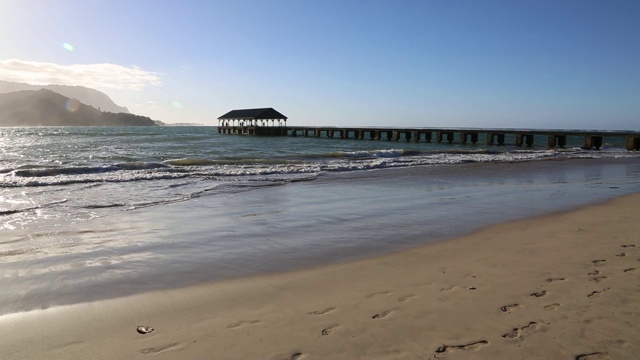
column 263, row 121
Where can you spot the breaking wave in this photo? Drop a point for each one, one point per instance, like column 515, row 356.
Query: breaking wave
column 269, row 169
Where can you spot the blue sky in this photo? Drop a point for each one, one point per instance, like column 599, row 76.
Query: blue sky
column 532, row 64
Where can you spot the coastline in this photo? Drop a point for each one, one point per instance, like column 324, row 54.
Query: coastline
column 532, row 288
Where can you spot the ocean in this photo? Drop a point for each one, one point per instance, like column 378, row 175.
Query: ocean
column 89, row 213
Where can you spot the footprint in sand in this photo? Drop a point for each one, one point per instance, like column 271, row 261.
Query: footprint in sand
column 556, row 279
column 448, row 288
column 291, row 356
column 383, row 314
column 594, row 273
column 599, row 279
column 596, row 294
column 593, row 356
column 322, row 312
column 522, row 331
column 598, row 261
column 160, row 349
column 241, row 323
column 628, row 246
column 538, row 294
column 406, row 298
column 630, row 270
column 372, row 295
column 469, row 347
column 621, row 254
column 329, row 330
column 509, row 308
column 552, row 307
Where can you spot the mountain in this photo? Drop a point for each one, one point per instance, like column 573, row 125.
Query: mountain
column 92, row 97
column 47, row 108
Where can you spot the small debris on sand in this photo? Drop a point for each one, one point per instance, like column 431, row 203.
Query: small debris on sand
column 144, row 329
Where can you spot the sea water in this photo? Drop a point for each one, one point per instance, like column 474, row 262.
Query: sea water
column 92, row 213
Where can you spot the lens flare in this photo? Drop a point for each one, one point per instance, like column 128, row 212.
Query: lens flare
column 177, row 104
column 67, row 46
column 72, row 105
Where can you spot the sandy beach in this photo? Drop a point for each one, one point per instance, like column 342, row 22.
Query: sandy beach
column 562, row 286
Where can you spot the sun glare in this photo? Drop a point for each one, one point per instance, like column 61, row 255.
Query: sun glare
column 67, row 46
column 72, row 105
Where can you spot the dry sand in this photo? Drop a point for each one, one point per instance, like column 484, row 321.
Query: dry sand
column 563, row 286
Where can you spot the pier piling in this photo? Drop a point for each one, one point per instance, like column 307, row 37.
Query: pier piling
column 633, row 142
column 559, row 140
column 524, row 138
column 493, row 138
column 592, row 142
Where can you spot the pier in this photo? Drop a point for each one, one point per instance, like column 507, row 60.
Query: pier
column 269, row 122
column 554, row 138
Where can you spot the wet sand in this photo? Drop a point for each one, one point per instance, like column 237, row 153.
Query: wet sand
column 565, row 285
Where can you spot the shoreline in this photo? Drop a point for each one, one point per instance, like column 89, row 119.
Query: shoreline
column 532, row 288
column 272, row 229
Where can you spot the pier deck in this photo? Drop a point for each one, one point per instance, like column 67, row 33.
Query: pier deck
column 593, row 139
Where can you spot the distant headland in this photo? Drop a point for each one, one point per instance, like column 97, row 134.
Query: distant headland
column 46, row 107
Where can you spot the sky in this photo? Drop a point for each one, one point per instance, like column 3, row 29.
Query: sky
column 571, row 64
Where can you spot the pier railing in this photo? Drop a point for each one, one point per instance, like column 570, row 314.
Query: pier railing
column 593, row 139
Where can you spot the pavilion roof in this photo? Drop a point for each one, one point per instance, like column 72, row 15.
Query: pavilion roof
column 253, row 114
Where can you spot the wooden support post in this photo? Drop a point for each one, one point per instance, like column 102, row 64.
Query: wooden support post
column 416, row 136
column 529, row 140
column 449, row 137
column 633, row 142
column 592, row 141
column 588, row 142
column 441, row 135
column 464, row 136
column 562, row 140
column 597, row 142
column 489, row 138
column 427, row 136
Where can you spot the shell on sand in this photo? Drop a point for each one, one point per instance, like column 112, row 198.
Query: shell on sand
column 144, row 329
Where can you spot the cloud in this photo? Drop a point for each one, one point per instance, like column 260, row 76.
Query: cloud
column 109, row 76
column 151, row 104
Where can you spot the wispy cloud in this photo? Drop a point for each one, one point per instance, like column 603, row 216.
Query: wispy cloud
column 110, row 76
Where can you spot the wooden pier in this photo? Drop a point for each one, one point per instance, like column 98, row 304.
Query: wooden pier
column 269, row 122
column 555, row 138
